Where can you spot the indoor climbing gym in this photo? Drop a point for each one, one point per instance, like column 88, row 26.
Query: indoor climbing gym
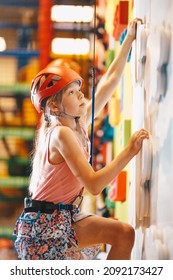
column 86, row 130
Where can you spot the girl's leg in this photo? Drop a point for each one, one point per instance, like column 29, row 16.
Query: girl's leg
column 96, row 230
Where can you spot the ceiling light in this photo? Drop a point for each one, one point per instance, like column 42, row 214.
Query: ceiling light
column 70, row 13
column 2, row 44
column 70, row 46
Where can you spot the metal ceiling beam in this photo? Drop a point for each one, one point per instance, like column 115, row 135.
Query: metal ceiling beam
column 35, row 3
column 74, row 2
column 19, row 3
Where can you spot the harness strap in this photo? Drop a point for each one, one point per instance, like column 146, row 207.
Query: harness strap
column 46, row 207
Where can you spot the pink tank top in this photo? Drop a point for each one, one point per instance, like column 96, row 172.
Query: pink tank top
column 56, row 183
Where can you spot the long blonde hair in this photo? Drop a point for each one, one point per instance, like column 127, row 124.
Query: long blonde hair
column 46, row 121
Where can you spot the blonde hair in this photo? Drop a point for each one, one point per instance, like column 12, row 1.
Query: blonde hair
column 45, row 123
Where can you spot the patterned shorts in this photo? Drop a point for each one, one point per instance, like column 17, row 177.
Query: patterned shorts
column 50, row 237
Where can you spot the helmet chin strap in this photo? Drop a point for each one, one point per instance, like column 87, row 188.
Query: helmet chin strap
column 76, row 118
column 64, row 115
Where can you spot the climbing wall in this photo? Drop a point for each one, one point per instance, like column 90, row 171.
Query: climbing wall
column 151, row 172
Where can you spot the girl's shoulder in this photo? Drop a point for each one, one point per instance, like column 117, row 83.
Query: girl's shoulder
column 61, row 141
column 58, row 129
column 60, row 133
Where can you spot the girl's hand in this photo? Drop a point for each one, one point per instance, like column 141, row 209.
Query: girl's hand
column 136, row 140
column 132, row 27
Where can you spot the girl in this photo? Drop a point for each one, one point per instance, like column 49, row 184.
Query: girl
column 52, row 225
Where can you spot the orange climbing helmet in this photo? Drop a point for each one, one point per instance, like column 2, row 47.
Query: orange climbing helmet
column 67, row 62
column 50, row 81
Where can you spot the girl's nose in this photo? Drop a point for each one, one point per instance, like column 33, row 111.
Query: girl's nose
column 80, row 94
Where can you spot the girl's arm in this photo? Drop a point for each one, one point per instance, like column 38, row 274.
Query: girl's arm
column 113, row 75
column 94, row 181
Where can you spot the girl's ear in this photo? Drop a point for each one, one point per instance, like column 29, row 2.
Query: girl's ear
column 54, row 108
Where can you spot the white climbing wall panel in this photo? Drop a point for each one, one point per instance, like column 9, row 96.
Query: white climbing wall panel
column 151, row 172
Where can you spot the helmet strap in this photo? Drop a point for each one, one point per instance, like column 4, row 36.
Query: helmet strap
column 76, row 118
column 64, row 115
column 80, row 131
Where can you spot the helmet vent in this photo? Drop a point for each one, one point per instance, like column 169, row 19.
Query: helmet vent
column 54, row 80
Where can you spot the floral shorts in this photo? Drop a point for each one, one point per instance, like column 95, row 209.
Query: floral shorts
column 50, row 237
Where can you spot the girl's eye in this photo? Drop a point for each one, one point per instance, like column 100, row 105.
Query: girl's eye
column 71, row 92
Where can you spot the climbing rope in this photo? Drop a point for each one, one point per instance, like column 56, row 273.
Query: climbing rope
column 93, row 90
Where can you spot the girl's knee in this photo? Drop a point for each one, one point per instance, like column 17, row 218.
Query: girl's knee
column 128, row 235
column 131, row 231
column 125, row 236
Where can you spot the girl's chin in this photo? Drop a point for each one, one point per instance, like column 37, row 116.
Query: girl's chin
column 83, row 109
column 83, row 114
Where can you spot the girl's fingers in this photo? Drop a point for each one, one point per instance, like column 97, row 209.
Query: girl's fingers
column 144, row 131
column 142, row 136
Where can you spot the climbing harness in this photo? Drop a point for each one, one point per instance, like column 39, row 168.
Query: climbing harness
column 43, row 206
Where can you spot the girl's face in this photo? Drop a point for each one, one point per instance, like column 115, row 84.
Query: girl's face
column 73, row 100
